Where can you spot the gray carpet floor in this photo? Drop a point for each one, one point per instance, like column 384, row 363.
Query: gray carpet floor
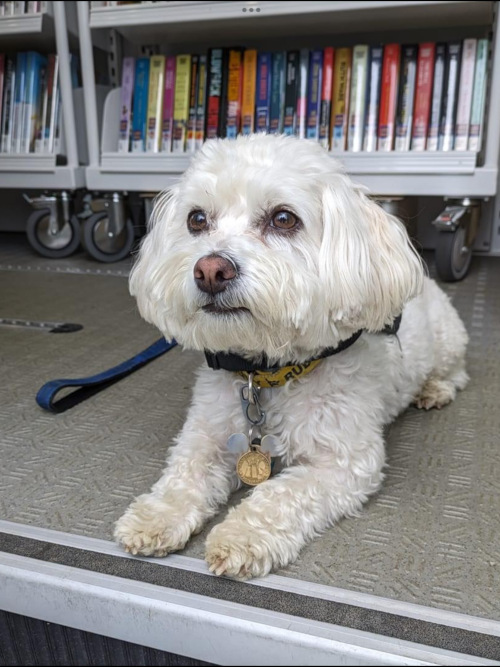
column 431, row 536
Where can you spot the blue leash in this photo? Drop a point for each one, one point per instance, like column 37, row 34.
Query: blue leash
column 92, row 385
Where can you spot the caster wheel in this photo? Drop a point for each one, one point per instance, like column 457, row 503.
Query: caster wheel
column 62, row 244
column 103, row 247
column 453, row 257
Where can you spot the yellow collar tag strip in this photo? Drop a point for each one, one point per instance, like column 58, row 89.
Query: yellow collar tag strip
column 281, row 376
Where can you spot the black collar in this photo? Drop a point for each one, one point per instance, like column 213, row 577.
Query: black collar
column 235, row 363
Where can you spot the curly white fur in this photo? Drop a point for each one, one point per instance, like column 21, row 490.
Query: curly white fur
column 349, row 266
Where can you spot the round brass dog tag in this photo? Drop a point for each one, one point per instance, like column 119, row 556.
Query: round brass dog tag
column 253, row 467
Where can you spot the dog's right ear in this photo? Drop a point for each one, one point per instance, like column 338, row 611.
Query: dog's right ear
column 148, row 276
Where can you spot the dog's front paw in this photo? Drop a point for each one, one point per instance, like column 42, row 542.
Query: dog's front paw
column 237, row 550
column 150, row 527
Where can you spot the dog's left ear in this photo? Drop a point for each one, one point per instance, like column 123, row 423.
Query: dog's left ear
column 367, row 263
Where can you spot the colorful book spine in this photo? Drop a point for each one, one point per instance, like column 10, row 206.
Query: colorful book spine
column 263, row 98
column 181, row 102
column 373, row 98
column 314, row 84
column 249, row 91
column 8, row 104
column 340, row 98
column 155, row 103
column 140, row 110
column 406, row 98
column 358, row 97
column 423, row 95
column 2, row 78
column 168, row 105
column 200, row 108
column 234, row 91
column 478, row 96
column 325, row 111
column 300, row 127
column 128, row 70
column 215, row 65
column 34, row 64
column 389, row 97
column 449, row 109
column 52, row 103
column 221, row 129
column 193, row 98
column 17, row 124
column 465, row 89
column 277, row 92
column 41, row 118
column 291, row 92
column 437, row 98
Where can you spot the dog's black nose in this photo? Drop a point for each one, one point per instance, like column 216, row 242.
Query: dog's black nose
column 212, row 273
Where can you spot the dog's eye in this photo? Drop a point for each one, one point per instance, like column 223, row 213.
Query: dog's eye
column 284, row 220
column 197, row 221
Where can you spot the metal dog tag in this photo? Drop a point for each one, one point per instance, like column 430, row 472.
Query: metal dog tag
column 271, row 445
column 238, row 443
column 254, row 467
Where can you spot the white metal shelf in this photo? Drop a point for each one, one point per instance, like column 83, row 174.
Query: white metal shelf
column 48, row 30
column 23, row 24
column 419, row 174
column 413, row 174
column 181, row 22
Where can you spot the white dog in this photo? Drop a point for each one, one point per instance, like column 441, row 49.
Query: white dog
column 267, row 250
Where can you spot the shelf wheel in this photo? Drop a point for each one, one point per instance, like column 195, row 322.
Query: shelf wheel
column 108, row 234
column 52, row 229
column 457, row 226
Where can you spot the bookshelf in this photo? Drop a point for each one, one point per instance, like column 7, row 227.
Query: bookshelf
column 56, row 27
column 194, row 25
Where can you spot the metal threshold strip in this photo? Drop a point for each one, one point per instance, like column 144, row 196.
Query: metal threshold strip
column 175, row 604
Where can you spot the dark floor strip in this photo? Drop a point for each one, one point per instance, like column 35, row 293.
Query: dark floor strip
column 350, row 616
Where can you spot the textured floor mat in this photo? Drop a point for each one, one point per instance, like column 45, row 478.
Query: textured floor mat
column 431, row 536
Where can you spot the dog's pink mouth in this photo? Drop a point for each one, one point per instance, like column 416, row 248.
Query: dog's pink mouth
column 217, row 309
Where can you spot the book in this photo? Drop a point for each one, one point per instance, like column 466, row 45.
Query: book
column 193, row 92
column 19, row 7
column 465, row 89
column 325, row 110
column 140, row 107
column 181, row 102
column 263, row 96
column 340, row 98
column 358, row 97
column 221, row 129
column 49, row 133
column 34, row 64
column 214, row 92
column 41, row 116
column 406, row 97
column 234, row 91
column 200, row 108
column 19, row 98
column 423, row 95
column 168, row 105
column 2, row 80
column 277, row 92
column 478, row 96
column 155, row 103
column 450, row 97
column 128, row 70
column 8, row 104
column 373, row 84
column 389, row 97
column 249, row 90
column 300, row 125
column 314, row 84
column 291, row 92
column 437, row 98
